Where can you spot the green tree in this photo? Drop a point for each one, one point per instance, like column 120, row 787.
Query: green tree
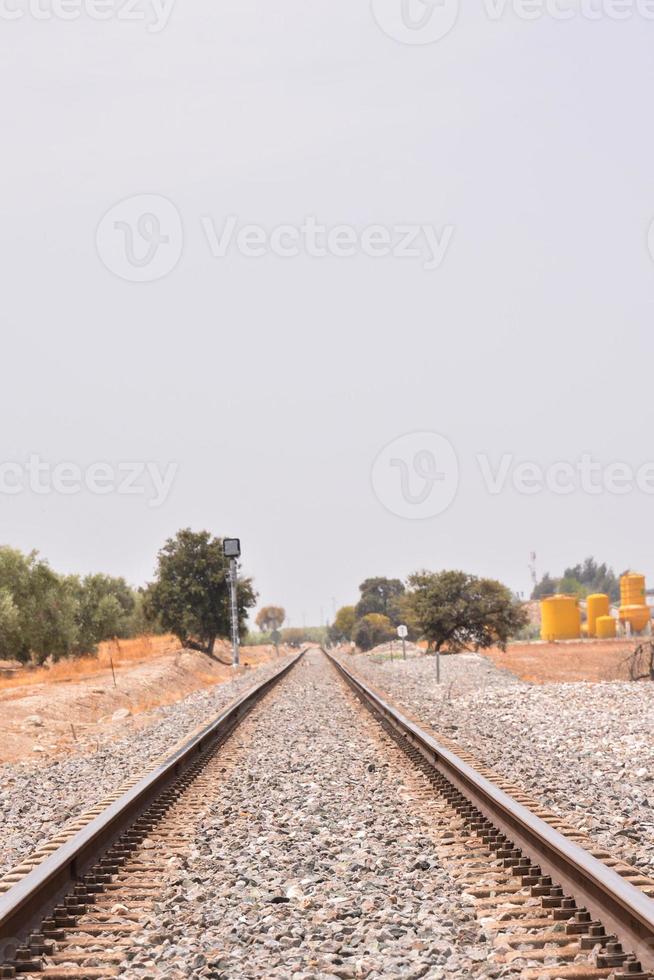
column 581, row 580
column 16, row 587
column 546, row 586
column 381, row 595
column 139, row 621
column 341, row 629
column 105, row 608
column 190, row 595
column 11, row 639
column 49, row 615
column 458, row 610
column 39, row 609
column 372, row 629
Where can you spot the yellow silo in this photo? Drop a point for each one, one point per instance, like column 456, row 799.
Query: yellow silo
column 632, row 590
column 605, row 627
column 560, row 618
column 633, row 607
column 597, row 605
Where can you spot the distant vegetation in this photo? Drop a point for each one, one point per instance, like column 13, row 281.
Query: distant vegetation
column 295, row 636
column 448, row 609
column 581, row 580
column 46, row 615
column 270, row 618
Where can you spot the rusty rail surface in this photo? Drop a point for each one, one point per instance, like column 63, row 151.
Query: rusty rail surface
column 30, row 899
column 620, row 906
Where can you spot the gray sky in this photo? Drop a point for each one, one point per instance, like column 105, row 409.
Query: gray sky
column 274, row 382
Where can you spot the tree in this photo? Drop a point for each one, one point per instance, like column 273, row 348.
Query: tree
column 341, row 629
column 581, row 580
column 380, row 595
column 459, row 610
column 11, row 640
column 105, row 608
column 295, row 636
column 38, row 609
column 190, row 594
column 546, row 586
column 371, row 630
column 270, row 618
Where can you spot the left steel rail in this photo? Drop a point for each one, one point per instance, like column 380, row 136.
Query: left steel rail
column 30, row 899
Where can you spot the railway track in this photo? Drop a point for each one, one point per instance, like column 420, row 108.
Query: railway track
column 77, row 874
column 550, row 906
column 556, row 893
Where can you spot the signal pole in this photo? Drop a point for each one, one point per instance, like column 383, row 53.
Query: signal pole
column 232, row 551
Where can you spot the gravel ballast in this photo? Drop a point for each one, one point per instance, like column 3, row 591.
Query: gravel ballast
column 39, row 800
column 308, row 863
column 585, row 750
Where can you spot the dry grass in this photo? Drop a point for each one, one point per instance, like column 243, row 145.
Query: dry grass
column 118, row 652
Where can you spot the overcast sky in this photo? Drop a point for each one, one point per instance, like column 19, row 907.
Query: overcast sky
column 272, row 383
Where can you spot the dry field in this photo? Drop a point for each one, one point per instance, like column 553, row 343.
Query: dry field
column 575, row 660
column 116, row 652
column 50, row 710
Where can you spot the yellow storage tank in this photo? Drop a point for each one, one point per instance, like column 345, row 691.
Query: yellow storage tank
column 606, row 627
column 633, row 607
column 637, row 616
column 597, row 605
column 632, row 590
column 560, row 618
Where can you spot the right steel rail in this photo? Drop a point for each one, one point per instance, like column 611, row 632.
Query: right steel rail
column 620, row 906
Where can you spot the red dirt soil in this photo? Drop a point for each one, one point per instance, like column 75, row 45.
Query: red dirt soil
column 555, row 663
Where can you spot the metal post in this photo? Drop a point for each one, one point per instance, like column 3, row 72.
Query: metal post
column 234, row 612
column 404, row 647
column 438, row 666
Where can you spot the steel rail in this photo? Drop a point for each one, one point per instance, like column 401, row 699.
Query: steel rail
column 620, row 906
column 30, row 899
